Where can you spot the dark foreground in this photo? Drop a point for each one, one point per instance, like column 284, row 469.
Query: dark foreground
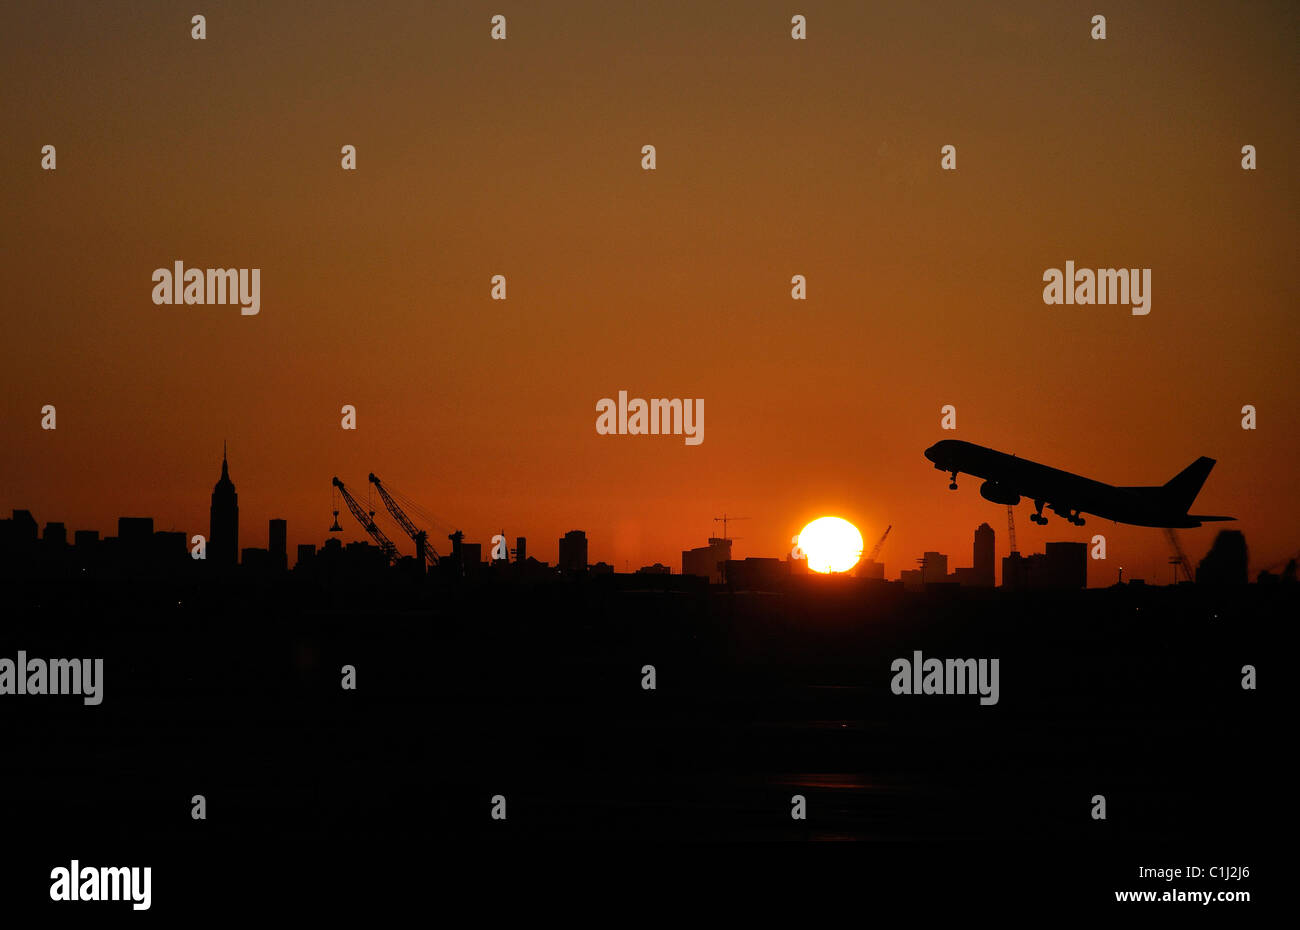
column 385, row 793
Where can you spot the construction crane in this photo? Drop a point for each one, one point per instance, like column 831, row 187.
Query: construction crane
column 1011, row 529
column 875, row 551
column 368, row 522
column 724, row 520
column 424, row 553
column 1179, row 558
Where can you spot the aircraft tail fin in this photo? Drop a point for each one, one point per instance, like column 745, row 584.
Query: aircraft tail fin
column 1183, row 487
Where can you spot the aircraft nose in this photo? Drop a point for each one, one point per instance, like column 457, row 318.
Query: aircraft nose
column 939, row 454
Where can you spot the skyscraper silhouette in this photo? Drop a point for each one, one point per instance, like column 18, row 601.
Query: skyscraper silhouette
column 278, row 546
column 983, row 555
column 223, row 519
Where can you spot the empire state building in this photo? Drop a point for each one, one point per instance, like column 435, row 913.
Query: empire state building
column 223, row 519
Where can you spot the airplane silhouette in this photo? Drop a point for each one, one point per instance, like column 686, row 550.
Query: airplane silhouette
column 1007, row 478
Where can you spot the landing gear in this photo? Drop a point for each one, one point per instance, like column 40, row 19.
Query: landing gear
column 953, row 485
column 1069, row 514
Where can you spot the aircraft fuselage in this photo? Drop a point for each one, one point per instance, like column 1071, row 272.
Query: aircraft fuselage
column 1008, row 478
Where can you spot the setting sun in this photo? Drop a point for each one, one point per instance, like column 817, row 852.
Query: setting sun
column 831, row 544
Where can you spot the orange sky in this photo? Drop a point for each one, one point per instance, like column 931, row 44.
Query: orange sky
column 522, row 158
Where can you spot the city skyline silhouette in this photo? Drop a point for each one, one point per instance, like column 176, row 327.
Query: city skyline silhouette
column 223, row 544
column 776, row 159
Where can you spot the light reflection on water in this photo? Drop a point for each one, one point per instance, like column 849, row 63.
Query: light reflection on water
column 845, row 781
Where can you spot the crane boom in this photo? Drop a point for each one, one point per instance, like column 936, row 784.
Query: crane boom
column 418, row 536
column 875, row 551
column 1182, row 565
column 386, row 544
column 724, row 519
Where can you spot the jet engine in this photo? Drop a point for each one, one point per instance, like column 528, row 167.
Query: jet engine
column 992, row 491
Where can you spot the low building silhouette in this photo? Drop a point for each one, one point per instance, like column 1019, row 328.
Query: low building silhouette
column 18, row 532
column 255, row 561
column 707, row 561
column 134, row 532
column 870, row 568
column 55, row 535
column 1063, row 566
column 933, row 570
column 169, row 546
column 1015, row 571
column 573, row 552
column 756, row 574
column 306, row 556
